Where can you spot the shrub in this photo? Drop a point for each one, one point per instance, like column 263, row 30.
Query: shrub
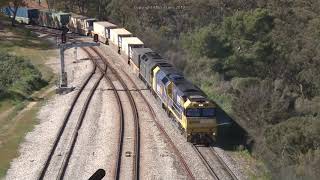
column 18, row 77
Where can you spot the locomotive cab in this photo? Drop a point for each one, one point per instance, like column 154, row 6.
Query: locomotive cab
column 199, row 119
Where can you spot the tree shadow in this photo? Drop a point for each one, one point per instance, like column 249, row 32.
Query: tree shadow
column 24, row 38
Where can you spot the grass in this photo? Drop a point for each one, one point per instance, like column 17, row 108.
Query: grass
column 21, row 42
column 13, row 135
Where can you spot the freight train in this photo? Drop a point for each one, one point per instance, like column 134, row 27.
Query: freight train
column 187, row 104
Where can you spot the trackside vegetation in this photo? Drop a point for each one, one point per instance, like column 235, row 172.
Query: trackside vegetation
column 18, row 77
column 24, row 85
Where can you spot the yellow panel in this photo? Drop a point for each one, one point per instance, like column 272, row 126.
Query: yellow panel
column 155, row 71
column 187, row 104
column 169, row 89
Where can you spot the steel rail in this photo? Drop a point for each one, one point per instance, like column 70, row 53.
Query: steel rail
column 136, row 161
column 64, row 124
column 224, row 164
column 121, row 131
column 163, row 132
column 205, row 162
column 75, row 134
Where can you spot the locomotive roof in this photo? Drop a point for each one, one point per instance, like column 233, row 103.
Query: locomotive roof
column 153, row 55
column 185, row 87
column 172, row 73
column 106, row 24
column 132, row 40
column 190, row 90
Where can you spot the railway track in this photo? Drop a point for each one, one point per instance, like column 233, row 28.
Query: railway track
column 160, row 127
column 136, row 149
column 209, row 157
column 62, row 129
column 227, row 168
column 213, row 153
column 136, row 138
column 79, row 124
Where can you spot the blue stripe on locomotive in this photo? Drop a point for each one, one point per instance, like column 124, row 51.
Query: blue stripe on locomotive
column 160, row 85
column 175, row 94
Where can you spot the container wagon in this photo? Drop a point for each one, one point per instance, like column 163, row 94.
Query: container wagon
column 116, row 37
column 24, row 15
column 81, row 24
column 128, row 43
column 102, row 29
column 55, row 20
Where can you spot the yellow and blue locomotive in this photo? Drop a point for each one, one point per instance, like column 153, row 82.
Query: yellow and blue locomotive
column 189, row 106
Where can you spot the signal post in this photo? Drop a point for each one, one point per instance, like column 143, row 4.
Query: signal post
column 63, row 87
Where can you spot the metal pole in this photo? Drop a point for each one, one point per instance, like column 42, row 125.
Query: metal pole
column 62, row 72
column 76, row 53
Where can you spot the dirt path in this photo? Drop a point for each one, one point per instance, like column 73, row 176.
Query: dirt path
column 6, row 113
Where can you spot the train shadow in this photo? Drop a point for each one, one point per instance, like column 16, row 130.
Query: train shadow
column 230, row 135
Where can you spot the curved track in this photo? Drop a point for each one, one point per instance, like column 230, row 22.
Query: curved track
column 163, row 132
column 136, row 150
column 64, row 124
column 159, row 126
column 79, row 124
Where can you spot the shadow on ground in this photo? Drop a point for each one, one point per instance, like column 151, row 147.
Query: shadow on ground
column 20, row 37
column 231, row 136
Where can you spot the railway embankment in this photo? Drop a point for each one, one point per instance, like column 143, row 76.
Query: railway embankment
column 25, row 84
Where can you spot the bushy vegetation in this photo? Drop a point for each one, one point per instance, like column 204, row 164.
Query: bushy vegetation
column 18, row 77
column 258, row 59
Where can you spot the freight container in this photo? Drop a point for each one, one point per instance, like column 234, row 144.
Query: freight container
column 130, row 42
column 117, row 35
column 81, row 24
column 60, row 19
column 45, row 18
column 53, row 19
column 24, row 15
column 102, row 29
column 5, row 11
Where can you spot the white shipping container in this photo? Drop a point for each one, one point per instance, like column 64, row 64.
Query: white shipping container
column 102, row 28
column 117, row 34
column 81, row 24
column 130, row 42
